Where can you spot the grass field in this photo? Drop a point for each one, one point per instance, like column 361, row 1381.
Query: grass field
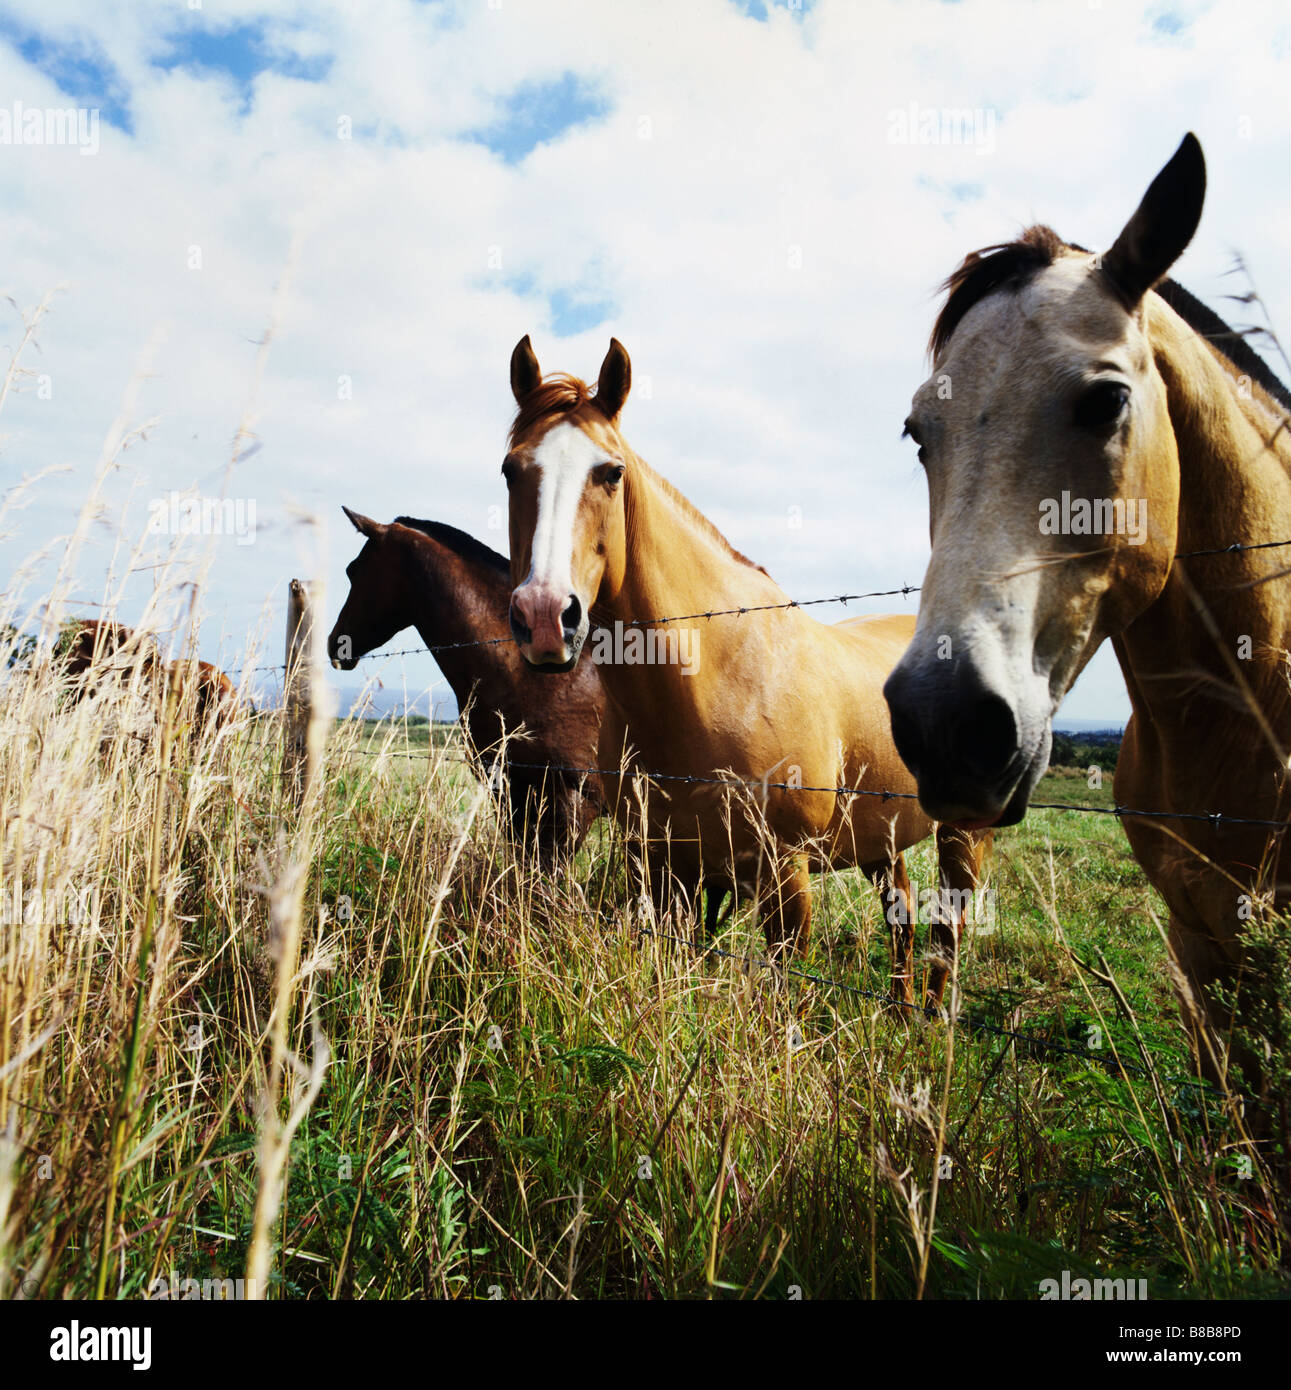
column 355, row 1051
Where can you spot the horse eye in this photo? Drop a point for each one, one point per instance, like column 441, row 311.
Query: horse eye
column 911, row 431
column 1102, row 405
column 614, row 473
column 508, row 471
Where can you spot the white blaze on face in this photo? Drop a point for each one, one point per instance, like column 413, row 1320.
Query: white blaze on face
column 564, row 457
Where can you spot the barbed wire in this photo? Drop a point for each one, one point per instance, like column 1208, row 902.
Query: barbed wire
column 434, row 648
column 1213, row 818
column 905, row 590
column 1236, row 548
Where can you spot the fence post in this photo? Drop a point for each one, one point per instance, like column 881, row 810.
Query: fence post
column 299, row 760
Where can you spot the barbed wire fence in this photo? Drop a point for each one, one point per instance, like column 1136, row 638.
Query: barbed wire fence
column 1114, row 1063
column 481, row 763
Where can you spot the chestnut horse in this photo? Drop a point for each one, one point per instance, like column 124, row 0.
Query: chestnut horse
column 91, row 647
column 95, row 649
column 213, row 692
column 453, row 588
column 770, row 697
column 1088, row 383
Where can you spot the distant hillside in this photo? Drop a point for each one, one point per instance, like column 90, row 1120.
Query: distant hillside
column 1099, row 747
column 355, row 699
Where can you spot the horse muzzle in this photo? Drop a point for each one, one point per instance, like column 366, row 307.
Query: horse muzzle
column 549, row 626
column 334, row 648
column 975, row 755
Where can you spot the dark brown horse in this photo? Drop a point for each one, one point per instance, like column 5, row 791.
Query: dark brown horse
column 453, row 588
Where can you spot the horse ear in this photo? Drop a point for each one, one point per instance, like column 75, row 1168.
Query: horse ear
column 364, row 525
column 615, row 380
column 525, row 371
column 1154, row 238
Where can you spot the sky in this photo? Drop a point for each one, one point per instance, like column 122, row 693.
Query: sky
column 400, row 192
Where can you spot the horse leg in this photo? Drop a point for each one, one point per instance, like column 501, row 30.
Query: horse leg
column 959, row 861
column 785, row 907
column 900, row 913
column 714, row 897
column 1204, row 963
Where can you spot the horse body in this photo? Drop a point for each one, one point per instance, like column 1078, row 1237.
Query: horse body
column 91, row 647
column 746, row 708
column 1211, row 728
column 767, row 697
column 213, row 694
column 1072, row 376
column 453, row 589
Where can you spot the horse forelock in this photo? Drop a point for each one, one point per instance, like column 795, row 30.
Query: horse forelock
column 1005, row 266
column 556, row 395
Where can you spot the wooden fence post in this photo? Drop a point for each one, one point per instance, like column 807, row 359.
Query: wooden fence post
column 299, row 758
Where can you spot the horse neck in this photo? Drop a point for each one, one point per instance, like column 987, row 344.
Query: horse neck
column 451, row 600
column 1234, row 485
column 677, row 563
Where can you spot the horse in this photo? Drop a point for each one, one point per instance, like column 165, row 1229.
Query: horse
column 214, row 695
column 95, row 649
column 89, row 648
column 454, row 590
column 773, row 698
column 1091, row 391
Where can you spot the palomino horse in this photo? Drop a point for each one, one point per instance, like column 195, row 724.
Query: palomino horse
column 95, row 650
column 772, row 697
column 452, row 588
column 1082, row 393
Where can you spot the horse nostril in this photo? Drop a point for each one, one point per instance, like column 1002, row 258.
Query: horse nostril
column 986, row 735
column 908, row 739
column 573, row 614
column 520, row 630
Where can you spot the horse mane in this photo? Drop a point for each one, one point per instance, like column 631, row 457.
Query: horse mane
column 705, row 525
column 459, row 542
column 1232, row 342
column 1009, row 265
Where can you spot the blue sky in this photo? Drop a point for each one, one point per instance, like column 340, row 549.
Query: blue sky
column 538, row 112
column 80, row 69
column 715, row 183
